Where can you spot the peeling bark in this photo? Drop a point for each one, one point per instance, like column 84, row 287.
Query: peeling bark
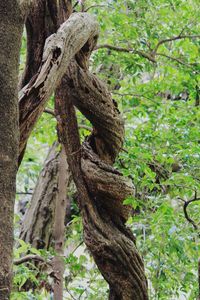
column 40, row 23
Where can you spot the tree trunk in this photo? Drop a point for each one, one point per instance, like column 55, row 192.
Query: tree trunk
column 101, row 192
column 41, row 22
column 11, row 25
column 101, row 188
column 59, row 49
column 59, row 224
column 37, row 226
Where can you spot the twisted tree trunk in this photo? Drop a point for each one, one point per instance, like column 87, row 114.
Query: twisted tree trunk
column 101, row 188
column 58, row 51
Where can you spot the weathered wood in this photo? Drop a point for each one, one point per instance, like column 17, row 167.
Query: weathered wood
column 106, row 236
column 59, row 49
column 37, row 226
column 101, row 188
column 36, row 35
column 93, row 99
column 41, row 22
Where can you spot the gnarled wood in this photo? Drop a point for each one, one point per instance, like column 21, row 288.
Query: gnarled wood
column 93, row 99
column 59, row 49
column 101, row 188
column 106, row 236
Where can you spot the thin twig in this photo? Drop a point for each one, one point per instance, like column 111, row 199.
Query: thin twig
column 186, row 213
column 185, row 206
column 177, row 60
column 24, row 193
column 135, row 95
column 68, row 291
column 175, row 38
column 81, row 126
column 94, row 6
column 74, row 250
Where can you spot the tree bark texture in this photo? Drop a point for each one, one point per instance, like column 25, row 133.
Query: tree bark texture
column 43, row 19
column 11, row 25
column 101, row 191
column 59, row 49
column 59, row 224
column 101, row 188
column 37, row 226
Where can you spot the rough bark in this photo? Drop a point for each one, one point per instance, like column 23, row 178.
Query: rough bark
column 11, row 25
column 36, row 36
column 59, row 224
column 59, row 49
column 38, row 223
column 101, row 191
column 37, row 227
column 101, row 188
column 43, row 19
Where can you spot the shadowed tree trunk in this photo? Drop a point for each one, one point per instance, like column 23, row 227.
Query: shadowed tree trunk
column 11, row 26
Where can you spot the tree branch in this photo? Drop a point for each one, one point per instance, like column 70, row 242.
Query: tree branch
column 49, row 111
column 127, row 50
column 175, row 38
column 94, row 6
column 185, row 206
column 177, row 60
column 28, row 258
